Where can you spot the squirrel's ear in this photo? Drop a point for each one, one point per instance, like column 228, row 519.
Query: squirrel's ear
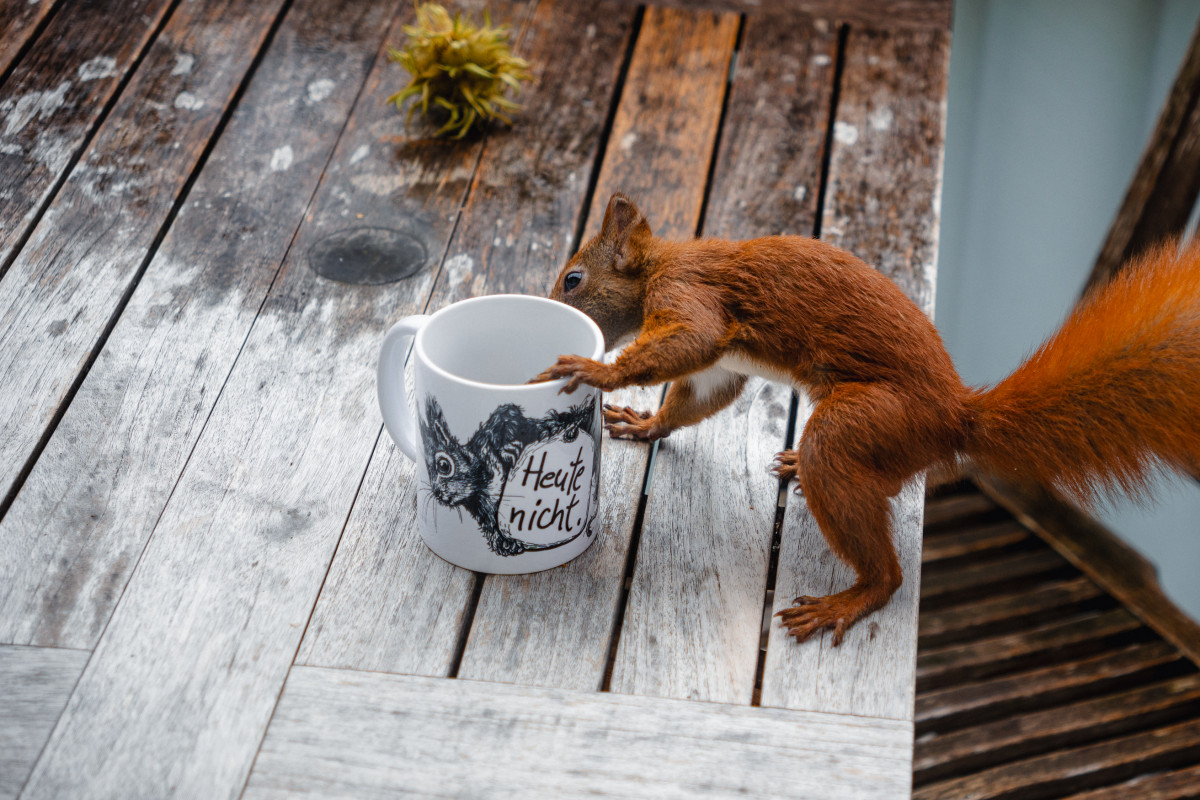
column 434, row 425
column 621, row 220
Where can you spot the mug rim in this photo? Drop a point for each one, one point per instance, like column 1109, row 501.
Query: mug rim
column 419, row 342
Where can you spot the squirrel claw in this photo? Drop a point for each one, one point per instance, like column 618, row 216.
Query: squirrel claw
column 576, row 369
column 624, row 414
column 809, row 615
column 786, row 465
column 642, row 433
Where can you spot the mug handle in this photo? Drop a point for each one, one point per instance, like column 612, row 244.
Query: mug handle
column 398, row 416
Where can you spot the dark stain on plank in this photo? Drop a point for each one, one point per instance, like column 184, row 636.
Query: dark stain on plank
column 368, row 255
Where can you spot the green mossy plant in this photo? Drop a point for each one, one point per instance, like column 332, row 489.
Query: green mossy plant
column 460, row 72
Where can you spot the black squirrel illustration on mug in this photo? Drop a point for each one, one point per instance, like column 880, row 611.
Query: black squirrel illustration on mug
column 507, row 454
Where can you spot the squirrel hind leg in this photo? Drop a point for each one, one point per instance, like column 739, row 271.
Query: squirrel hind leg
column 849, row 501
column 856, row 522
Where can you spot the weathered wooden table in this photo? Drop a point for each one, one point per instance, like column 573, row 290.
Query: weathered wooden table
column 210, row 584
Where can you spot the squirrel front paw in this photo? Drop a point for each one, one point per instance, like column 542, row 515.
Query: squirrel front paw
column 625, row 423
column 577, row 370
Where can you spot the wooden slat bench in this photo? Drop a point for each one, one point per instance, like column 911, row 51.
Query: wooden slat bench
column 210, row 580
column 1052, row 687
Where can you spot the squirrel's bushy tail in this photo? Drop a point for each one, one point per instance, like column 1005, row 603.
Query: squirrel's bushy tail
column 1113, row 397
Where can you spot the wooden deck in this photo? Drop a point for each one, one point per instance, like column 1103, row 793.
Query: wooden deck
column 210, row 583
column 1038, row 680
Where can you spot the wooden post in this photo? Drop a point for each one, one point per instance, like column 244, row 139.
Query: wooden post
column 1163, row 191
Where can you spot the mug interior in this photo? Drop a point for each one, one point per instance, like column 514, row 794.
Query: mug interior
column 506, row 339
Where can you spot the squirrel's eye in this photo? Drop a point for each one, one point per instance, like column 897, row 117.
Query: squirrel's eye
column 572, row 280
column 443, row 465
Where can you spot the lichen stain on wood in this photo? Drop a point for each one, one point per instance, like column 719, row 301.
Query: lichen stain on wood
column 54, row 96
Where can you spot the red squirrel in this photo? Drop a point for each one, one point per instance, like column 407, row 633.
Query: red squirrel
column 1106, row 402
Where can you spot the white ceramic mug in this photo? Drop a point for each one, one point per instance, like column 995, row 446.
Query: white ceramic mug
column 508, row 472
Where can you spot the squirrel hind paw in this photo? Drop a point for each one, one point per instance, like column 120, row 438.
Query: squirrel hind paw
column 837, row 612
column 802, row 621
column 624, row 414
column 786, row 465
column 626, row 423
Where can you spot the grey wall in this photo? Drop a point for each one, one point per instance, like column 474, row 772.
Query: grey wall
column 1051, row 103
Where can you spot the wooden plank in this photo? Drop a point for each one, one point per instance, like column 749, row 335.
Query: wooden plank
column 694, row 618
column 1162, row 193
column 516, row 231
column 1176, row 785
column 1100, row 554
column 666, row 125
column 980, row 659
column 53, row 99
column 19, row 20
column 932, row 14
column 37, row 682
column 881, row 203
column 555, row 628
column 978, row 701
column 86, row 252
column 883, row 200
column 208, row 627
column 389, row 604
column 1053, row 773
column 973, row 541
column 693, row 623
column 357, row 735
column 1020, row 736
column 767, row 175
column 71, row 544
column 1000, row 573
column 1004, row 613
